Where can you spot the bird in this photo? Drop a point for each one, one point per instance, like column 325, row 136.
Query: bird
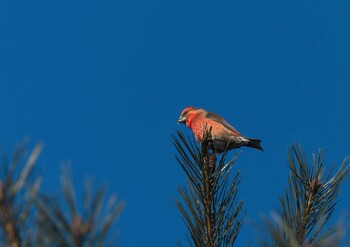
column 224, row 136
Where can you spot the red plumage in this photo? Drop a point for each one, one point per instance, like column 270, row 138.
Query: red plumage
column 225, row 136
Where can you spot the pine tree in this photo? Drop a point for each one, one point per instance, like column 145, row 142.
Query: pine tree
column 29, row 218
column 211, row 210
column 88, row 228
column 18, row 191
column 308, row 203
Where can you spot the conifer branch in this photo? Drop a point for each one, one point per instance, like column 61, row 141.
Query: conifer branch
column 18, row 190
column 88, row 227
column 309, row 202
column 211, row 210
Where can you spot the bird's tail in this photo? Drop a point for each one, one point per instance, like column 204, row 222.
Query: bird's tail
column 254, row 143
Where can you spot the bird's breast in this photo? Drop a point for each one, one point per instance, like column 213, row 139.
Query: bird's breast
column 198, row 128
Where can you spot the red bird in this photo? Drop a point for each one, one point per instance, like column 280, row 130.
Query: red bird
column 225, row 136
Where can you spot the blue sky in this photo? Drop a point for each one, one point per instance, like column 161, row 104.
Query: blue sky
column 103, row 83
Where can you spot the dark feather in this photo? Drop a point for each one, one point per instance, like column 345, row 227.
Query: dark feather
column 215, row 117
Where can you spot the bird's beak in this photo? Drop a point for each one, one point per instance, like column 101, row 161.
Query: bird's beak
column 182, row 119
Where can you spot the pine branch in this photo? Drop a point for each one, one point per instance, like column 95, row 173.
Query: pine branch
column 18, row 190
column 12, row 234
column 87, row 228
column 309, row 202
column 211, row 210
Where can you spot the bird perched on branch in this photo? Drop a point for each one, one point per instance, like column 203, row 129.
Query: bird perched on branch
column 224, row 136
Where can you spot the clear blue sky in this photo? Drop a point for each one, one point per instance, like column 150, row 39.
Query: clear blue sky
column 103, row 83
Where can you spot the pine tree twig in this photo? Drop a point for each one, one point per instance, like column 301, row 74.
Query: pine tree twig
column 308, row 202
column 88, row 227
column 18, row 190
column 211, row 210
column 11, row 233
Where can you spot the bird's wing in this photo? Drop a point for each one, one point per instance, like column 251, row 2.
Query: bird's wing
column 215, row 117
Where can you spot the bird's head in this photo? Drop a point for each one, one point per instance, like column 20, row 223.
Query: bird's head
column 184, row 113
